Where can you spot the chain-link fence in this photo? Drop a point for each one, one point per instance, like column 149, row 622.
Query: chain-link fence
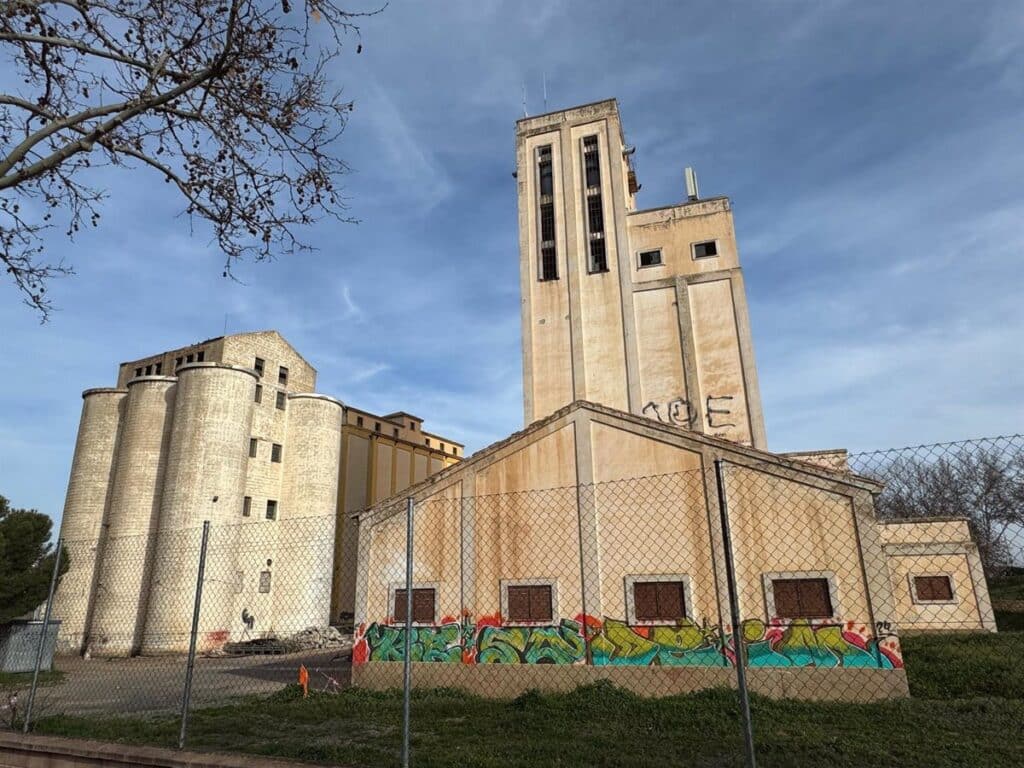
column 790, row 577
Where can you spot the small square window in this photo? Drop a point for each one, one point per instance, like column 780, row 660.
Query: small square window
column 282, row 376
column 258, row 366
column 659, row 600
column 264, row 582
column 247, row 506
column 650, row 258
column 359, row 421
column 424, row 605
column 259, row 393
column 275, row 453
column 705, row 250
column 280, row 401
column 252, row 447
column 190, row 358
column 201, row 356
column 271, row 509
column 933, row 589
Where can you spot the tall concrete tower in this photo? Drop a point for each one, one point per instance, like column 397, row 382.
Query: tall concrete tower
column 644, row 311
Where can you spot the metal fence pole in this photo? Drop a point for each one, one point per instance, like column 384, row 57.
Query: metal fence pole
column 407, row 660
column 737, row 627
column 41, row 645
column 187, row 693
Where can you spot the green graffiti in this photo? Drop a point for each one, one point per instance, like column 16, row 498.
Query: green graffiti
column 562, row 644
column 801, row 644
column 387, row 643
column 685, row 644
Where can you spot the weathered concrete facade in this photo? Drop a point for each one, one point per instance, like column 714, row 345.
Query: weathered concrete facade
column 643, row 311
column 590, row 501
column 230, row 431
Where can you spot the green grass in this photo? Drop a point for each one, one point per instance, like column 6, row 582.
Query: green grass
column 597, row 725
column 24, row 679
column 943, row 666
column 1009, row 586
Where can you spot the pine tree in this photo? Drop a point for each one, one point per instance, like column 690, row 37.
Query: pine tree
column 26, row 560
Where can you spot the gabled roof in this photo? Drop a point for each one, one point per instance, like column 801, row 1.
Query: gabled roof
column 482, row 456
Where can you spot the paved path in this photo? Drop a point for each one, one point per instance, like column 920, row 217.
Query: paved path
column 154, row 683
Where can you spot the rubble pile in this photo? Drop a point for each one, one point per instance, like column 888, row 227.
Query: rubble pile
column 318, row 637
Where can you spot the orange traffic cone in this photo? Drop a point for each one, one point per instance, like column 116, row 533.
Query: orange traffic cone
column 304, row 680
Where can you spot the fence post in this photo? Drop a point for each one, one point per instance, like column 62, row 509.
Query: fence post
column 737, row 627
column 41, row 645
column 187, row 693
column 406, row 656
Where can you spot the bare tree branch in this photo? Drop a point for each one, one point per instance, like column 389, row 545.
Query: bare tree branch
column 227, row 100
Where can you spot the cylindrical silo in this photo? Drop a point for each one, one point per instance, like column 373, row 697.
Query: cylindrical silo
column 301, row 585
column 84, row 511
column 204, row 480
column 124, row 571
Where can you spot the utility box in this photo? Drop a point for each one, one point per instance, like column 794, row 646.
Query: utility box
column 19, row 642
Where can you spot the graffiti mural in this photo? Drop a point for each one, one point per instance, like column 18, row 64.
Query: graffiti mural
column 561, row 644
column 685, row 644
column 613, row 642
column 805, row 644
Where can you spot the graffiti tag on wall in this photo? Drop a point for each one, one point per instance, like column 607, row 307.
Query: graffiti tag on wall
column 612, row 642
column 680, row 412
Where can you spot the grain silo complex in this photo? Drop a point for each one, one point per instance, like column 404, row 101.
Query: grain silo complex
column 229, row 431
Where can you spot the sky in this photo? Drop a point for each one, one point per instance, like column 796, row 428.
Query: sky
column 873, row 153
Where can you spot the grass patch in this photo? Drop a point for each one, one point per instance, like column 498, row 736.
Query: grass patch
column 956, row 666
column 597, row 725
column 24, row 679
column 1009, row 586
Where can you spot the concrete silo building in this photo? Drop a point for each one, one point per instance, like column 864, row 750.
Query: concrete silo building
column 230, row 431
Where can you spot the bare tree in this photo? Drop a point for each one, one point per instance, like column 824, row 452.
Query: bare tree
column 226, row 100
column 984, row 485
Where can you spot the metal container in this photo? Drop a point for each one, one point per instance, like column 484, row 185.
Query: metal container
column 19, row 642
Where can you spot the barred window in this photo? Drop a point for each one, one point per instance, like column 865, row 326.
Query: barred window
column 548, row 267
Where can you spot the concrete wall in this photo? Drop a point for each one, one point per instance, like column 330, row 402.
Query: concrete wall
column 590, row 500
column 82, row 525
column 123, row 582
column 937, row 548
column 670, row 342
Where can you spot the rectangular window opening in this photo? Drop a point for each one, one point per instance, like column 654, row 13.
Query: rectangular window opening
column 279, row 404
column 933, row 589
column 282, row 376
column 201, row 355
column 275, row 453
column 258, row 366
column 252, row 447
column 705, row 250
column 546, row 214
column 802, row 598
column 359, row 421
column 259, row 393
column 149, row 370
column 190, row 358
column 271, row 509
column 264, row 582
column 424, row 602
column 158, row 368
column 529, row 603
column 659, row 600
column 247, row 506
column 650, row 258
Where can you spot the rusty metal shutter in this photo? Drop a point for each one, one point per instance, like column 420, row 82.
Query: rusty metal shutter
column 933, row 587
column 802, row 598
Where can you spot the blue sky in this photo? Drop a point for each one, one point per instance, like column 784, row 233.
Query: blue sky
column 873, row 151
